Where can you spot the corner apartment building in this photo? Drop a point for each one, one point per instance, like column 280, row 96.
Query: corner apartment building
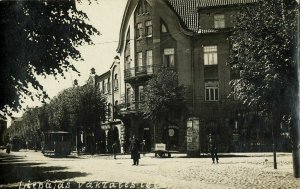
column 192, row 38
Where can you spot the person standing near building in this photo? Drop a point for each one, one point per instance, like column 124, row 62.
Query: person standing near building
column 213, row 145
column 8, row 147
column 142, row 146
column 135, row 151
column 114, row 149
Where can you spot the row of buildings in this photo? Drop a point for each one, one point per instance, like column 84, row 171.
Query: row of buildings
column 190, row 37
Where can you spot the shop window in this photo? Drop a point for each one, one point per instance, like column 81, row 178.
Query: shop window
column 212, row 91
column 210, row 55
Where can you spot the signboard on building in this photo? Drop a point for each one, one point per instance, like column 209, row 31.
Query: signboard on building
column 160, row 146
column 192, row 136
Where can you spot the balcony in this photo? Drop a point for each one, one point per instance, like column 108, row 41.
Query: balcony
column 128, row 108
column 138, row 71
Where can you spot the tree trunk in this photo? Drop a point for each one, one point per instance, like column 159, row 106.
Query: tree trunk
column 275, row 131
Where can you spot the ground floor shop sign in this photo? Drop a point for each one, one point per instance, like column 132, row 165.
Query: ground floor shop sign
column 192, row 137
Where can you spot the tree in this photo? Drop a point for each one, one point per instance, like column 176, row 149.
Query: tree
column 262, row 59
column 37, row 38
column 164, row 97
column 78, row 109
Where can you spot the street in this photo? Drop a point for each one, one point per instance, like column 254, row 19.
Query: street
column 23, row 169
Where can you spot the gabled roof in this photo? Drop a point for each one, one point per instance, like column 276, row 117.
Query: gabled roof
column 187, row 10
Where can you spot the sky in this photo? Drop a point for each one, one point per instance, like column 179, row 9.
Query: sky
column 106, row 16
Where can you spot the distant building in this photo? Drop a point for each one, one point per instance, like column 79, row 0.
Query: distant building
column 109, row 84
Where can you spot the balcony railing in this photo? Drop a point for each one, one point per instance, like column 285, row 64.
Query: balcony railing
column 138, row 71
column 126, row 108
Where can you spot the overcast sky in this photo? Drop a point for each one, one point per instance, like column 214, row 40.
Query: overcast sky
column 106, row 16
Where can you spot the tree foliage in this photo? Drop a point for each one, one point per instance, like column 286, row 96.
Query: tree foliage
column 164, row 96
column 37, row 38
column 262, row 56
column 77, row 108
column 74, row 109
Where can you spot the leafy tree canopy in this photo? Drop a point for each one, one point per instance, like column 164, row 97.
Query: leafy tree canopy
column 77, row 107
column 37, row 38
column 262, row 56
column 163, row 95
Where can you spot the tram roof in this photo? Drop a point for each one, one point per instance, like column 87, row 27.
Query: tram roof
column 57, row 132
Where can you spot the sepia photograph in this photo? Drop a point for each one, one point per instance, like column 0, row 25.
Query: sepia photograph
column 158, row 94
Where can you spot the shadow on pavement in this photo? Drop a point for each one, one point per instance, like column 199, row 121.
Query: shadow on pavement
column 14, row 169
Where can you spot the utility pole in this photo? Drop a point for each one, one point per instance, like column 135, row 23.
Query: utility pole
column 296, row 125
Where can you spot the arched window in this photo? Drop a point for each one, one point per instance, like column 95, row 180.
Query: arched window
column 109, row 110
column 116, row 82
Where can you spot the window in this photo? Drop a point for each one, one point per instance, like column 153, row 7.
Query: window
column 163, row 28
column 128, row 95
column 139, row 31
column 103, row 86
column 108, row 85
column 143, row 7
column 219, row 20
column 169, row 58
column 149, row 61
column 127, row 61
column 140, row 61
column 100, row 87
column 212, row 91
column 141, row 93
column 148, row 28
column 210, row 55
column 140, row 9
column 116, row 82
column 109, row 110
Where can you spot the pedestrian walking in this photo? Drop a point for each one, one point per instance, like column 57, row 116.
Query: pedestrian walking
column 8, row 148
column 213, row 149
column 135, row 151
column 114, row 149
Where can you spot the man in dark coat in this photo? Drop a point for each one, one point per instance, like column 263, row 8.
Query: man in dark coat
column 213, row 149
column 135, row 151
column 114, row 148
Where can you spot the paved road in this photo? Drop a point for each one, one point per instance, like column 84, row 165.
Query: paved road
column 177, row 172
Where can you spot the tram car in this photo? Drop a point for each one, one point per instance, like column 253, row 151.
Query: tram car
column 57, row 143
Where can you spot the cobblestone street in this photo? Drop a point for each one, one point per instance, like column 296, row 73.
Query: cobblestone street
column 237, row 171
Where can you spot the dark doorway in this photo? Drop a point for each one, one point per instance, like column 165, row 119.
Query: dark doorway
column 147, row 139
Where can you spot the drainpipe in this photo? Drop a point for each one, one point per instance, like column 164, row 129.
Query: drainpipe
column 193, row 74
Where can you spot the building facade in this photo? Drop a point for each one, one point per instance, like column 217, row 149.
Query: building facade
column 192, row 38
column 109, row 84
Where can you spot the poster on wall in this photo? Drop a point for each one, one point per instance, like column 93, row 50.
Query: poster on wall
column 193, row 135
